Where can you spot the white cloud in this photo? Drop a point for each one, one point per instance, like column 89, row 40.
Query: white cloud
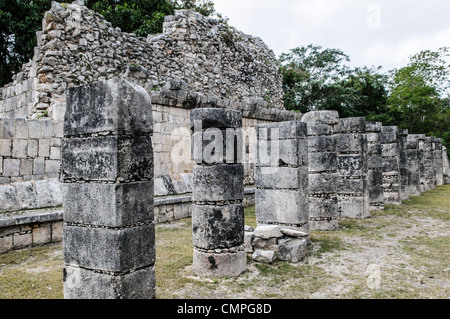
column 400, row 29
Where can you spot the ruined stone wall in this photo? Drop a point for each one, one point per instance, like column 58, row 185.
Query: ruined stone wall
column 78, row 46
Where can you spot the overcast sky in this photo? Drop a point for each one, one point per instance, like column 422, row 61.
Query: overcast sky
column 384, row 32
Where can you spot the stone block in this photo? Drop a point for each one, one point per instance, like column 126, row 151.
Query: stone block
column 9, row 200
column 19, row 149
column 351, row 186
column 26, row 167
column 52, row 166
column 322, row 162
column 352, row 165
column 82, row 283
column 109, row 249
column 218, row 183
column 282, row 206
column 282, row 131
column 323, row 183
column 34, row 129
column 281, row 178
column 323, row 207
column 39, row 166
column 44, row 148
column 278, row 153
column 321, row 117
column 11, row 167
column 205, row 118
column 352, row 124
column 293, row 250
column 21, row 129
column 265, row 244
column 354, row 206
column 108, row 205
column 322, row 143
column 264, row 256
column 389, row 134
column 219, row 265
column 5, row 147
column 351, row 142
column 42, row 234
column 216, row 227
column 105, row 107
column 47, row 129
column 390, row 150
column 7, row 128
column 44, row 198
column 108, row 158
column 33, row 148
column 268, row 232
column 248, row 241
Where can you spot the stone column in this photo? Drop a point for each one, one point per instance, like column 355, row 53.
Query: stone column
column 322, row 168
column 421, row 160
column 281, row 181
column 403, row 164
column 375, row 166
column 391, row 164
column 107, row 175
column 411, row 149
column 218, row 193
column 445, row 165
column 428, row 164
column 438, row 160
column 352, row 187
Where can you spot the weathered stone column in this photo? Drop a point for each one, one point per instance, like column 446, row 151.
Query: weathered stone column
column 411, row 150
column 391, row 164
column 375, row 166
column 429, row 176
column 445, row 165
column 352, row 187
column 420, row 155
column 403, row 164
column 218, row 193
column 281, row 181
column 322, row 168
column 107, row 171
column 438, row 162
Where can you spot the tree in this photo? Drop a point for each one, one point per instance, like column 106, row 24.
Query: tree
column 316, row 79
column 20, row 19
column 419, row 97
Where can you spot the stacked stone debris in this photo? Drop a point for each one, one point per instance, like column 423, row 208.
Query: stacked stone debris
column 352, row 186
column 403, row 164
column 375, row 166
column 322, row 168
column 411, row 152
column 391, row 164
column 218, row 193
column 281, row 181
column 420, row 155
column 107, row 171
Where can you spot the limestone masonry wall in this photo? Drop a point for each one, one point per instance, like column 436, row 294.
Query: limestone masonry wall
column 78, row 46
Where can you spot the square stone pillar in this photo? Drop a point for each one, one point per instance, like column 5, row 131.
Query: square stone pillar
column 281, row 181
column 107, row 175
column 218, row 193
column 352, row 186
column 322, row 169
column 403, row 164
column 391, row 164
column 411, row 150
column 429, row 176
column 438, row 160
column 375, row 166
column 445, row 165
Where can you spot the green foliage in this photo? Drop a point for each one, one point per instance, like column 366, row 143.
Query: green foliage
column 420, row 95
column 316, row 79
